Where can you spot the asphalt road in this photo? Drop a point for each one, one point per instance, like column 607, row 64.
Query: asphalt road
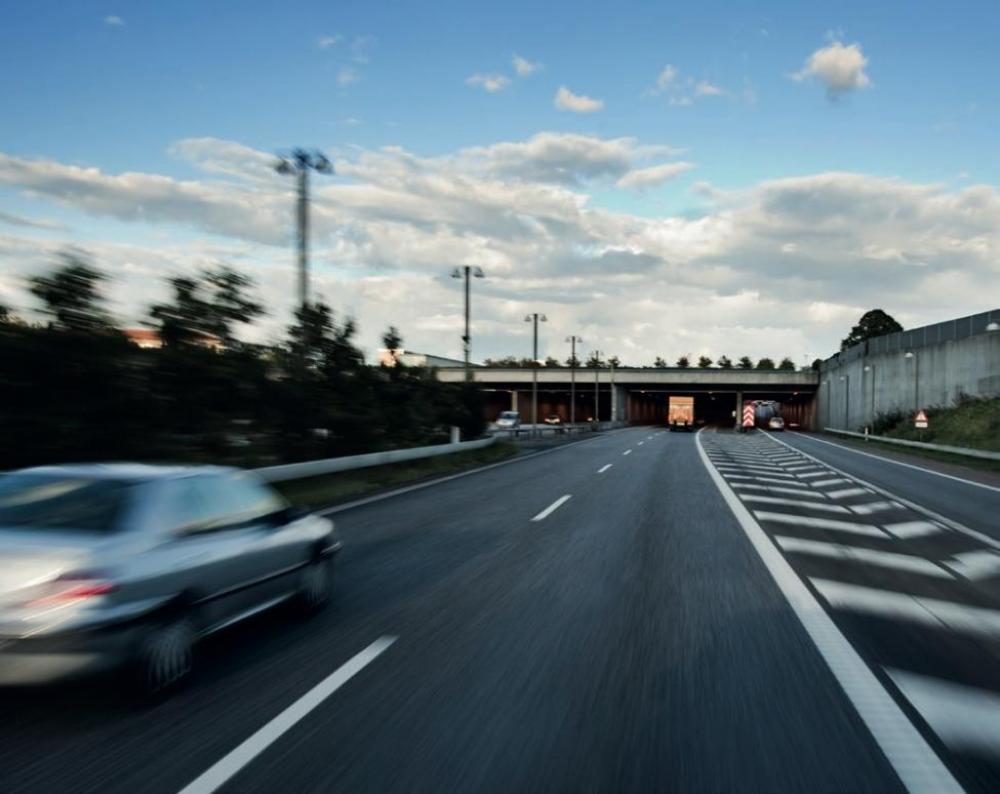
column 630, row 637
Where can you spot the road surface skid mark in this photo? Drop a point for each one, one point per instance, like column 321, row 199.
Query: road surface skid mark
column 920, row 597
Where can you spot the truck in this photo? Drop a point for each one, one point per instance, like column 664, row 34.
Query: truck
column 680, row 413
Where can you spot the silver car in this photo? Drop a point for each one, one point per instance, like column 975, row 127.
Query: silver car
column 127, row 564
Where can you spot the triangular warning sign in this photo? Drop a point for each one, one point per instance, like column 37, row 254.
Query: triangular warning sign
column 921, row 416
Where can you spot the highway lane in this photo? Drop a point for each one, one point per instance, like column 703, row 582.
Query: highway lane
column 629, row 639
column 970, row 503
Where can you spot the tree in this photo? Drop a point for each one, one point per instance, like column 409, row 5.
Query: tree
column 614, row 361
column 5, row 315
column 724, row 362
column 704, row 362
column 659, row 363
column 765, row 363
column 393, row 342
column 552, row 362
column 683, row 362
column 72, row 295
column 817, row 362
column 206, row 307
column 745, row 362
column 787, row 364
column 573, row 362
column 594, row 360
column 872, row 323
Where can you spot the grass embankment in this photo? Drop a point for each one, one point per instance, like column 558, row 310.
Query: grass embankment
column 972, row 422
column 333, row 488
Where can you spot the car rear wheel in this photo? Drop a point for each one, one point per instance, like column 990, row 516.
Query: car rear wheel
column 166, row 655
column 315, row 585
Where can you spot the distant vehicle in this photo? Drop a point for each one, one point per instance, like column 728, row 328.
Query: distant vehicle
column 775, row 423
column 680, row 413
column 553, row 419
column 127, row 565
column 508, row 420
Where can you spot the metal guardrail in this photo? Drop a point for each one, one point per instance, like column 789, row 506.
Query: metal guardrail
column 315, row 468
column 985, row 454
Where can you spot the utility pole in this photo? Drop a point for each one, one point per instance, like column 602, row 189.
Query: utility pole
column 534, row 318
column 300, row 163
column 467, row 271
column 597, row 388
column 572, row 377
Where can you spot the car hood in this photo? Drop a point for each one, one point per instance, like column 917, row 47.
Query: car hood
column 33, row 557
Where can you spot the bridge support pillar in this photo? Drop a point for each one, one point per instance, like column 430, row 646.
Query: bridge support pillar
column 738, row 413
column 513, row 400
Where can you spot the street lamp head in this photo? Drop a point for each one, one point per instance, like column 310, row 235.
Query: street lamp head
column 542, row 318
column 283, row 166
column 477, row 272
column 908, row 354
column 322, row 164
column 994, row 326
column 456, row 272
column 868, row 367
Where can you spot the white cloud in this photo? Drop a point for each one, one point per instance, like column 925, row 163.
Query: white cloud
column 29, row 223
column 114, row 21
column 654, row 175
column 705, row 88
column 489, row 82
column 577, row 103
column 329, row 41
column 523, row 66
column 347, row 75
column 667, row 77
column 840, row 68
column 784, row 266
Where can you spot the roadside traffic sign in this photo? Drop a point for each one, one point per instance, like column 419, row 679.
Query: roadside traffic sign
column 920, row 421
column 748, row 412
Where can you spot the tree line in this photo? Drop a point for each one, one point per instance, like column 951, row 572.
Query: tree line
column 76, row 388
column 683, row 362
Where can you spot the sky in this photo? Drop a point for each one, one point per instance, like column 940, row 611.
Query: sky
column 660, row 179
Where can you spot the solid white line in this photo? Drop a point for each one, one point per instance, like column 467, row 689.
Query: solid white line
column 896, row 462
column 918, row 768
column 913, row 529
column 627, row 452
column 604, row 468
column 883, row 559
column 832, row 524
column 843, row 493
column 552, row 508
column 231, row 763
column 776, row 500
column 928, row 611
column 965, row 718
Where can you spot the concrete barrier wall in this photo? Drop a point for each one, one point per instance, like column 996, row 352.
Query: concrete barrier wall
column 877, row 377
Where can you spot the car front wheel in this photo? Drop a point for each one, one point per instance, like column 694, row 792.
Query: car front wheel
column 315, row 585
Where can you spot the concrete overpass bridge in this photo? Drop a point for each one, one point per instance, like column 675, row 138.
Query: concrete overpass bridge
column 640, row 395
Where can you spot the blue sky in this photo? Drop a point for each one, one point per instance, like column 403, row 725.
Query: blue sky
column 116, row 85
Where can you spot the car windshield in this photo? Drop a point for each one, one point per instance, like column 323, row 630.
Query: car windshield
column 59, row 502
column 508, row 415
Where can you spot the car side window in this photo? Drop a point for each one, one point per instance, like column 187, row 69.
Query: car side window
column 233, row 500
column 180, row 508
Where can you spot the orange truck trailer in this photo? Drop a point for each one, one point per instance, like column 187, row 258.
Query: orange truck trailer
column 680, row 413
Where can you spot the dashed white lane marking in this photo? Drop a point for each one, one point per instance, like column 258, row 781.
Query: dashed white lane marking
column 965, row 718
column 814, row 475
column 231, row 763
column 627, row 452
column 843, row 493
column 927, row 611
column 918, row 767
column 604, row 468
column 913, row 529
column 777, row 500
column 883, row 559
column 797, row 491
column 641, row 443
column 832, row 524
column 552, row 508
column 831, row 481
column 976, row 564
column 874, row 507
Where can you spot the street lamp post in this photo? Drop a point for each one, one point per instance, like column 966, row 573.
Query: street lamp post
column 911, row 354
column 572, row 377
column 597, row 388
column 468, row 272
column 871, row 414
column 534, row 318
column 847, row 401
column 300, row 163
